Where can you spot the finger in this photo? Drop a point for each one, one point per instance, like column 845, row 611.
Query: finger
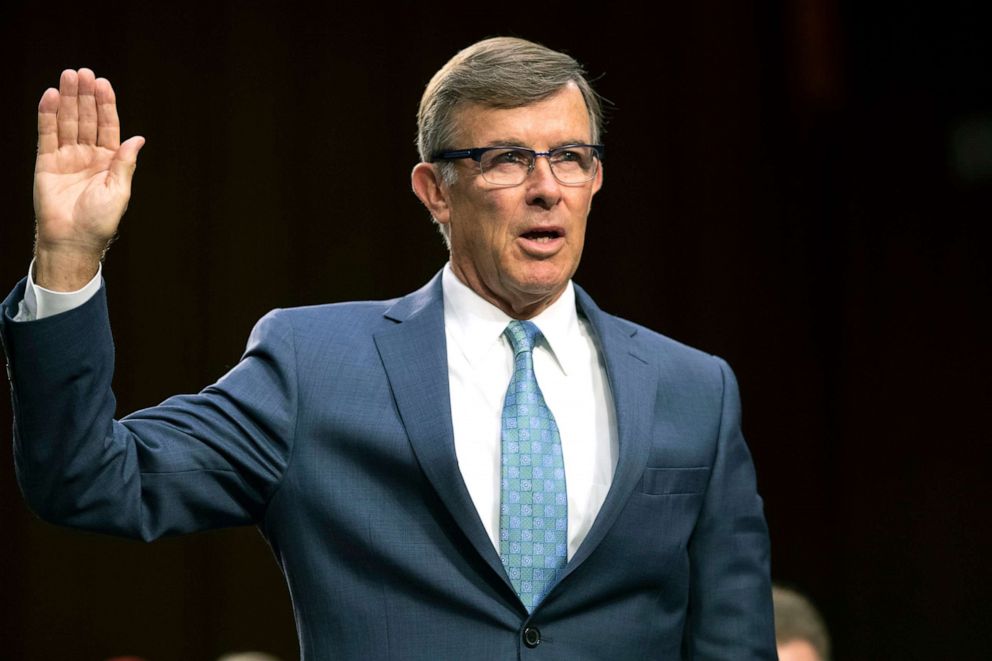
column 126, row 160
column 48, row 130
column 68, row 116
column 109, row 126
column 86, row 107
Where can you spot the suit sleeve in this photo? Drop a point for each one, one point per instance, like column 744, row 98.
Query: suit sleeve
column 730, row 610
column 193, row 462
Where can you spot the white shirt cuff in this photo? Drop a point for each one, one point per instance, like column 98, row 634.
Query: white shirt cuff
column 39, row 302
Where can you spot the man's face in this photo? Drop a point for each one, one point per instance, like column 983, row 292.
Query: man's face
column 518, row 246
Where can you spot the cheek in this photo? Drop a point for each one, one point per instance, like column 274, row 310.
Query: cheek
column 481, row 240
column 491, row 228
column 484, row 220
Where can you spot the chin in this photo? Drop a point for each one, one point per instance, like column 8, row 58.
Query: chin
column 549, row 269
column 539, row 287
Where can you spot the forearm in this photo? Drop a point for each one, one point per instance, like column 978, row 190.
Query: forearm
column 191, row 463
column 63, row 416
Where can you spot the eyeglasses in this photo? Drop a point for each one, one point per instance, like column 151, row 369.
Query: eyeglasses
column 571, row 165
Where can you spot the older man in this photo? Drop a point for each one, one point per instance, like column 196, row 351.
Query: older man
column 488, row 468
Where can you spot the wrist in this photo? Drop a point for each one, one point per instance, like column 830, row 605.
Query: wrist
column 64, row 269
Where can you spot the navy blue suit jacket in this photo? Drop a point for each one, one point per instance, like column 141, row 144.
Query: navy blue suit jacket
column 333, row 434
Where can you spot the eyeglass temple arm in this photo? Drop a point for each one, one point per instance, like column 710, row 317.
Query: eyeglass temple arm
column 453, row 155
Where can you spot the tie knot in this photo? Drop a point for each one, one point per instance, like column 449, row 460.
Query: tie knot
column 522, row 335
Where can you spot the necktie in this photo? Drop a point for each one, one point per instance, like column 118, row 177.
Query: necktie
column 533, row 522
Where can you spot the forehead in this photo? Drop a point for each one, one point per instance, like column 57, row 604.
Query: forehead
column 561, row 118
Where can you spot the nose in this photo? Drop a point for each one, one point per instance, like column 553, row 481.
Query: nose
column 542, row 188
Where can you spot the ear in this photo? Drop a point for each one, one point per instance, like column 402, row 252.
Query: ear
column 597, row 183
column 429, row 188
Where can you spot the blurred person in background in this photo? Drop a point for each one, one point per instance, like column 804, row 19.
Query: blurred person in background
column 248, row 656
column 800, row 632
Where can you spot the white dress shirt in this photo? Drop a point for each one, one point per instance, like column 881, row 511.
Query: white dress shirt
column 572, row 377
column 569, row 369
column 39, row 302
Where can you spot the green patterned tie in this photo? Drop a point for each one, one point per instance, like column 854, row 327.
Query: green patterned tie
column 533, row 521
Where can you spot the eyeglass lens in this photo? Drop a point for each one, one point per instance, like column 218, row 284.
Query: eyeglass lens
column 570, row 165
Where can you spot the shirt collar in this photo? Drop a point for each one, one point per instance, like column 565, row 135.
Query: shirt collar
column 477, row 326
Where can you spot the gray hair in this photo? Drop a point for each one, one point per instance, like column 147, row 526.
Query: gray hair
column 502, row 72
column 797, row 619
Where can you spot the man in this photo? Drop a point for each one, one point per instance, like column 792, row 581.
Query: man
column 488, row 468
column 800, row 632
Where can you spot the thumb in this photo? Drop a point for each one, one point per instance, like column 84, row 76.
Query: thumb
column 126, row 159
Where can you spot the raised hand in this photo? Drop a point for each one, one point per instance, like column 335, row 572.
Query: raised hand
column 82, row 179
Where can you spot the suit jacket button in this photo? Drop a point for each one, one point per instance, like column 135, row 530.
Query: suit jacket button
column 532, row 637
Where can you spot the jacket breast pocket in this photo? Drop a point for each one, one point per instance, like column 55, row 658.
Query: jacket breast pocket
column 674, row 481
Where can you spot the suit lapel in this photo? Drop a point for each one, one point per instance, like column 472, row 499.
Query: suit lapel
column 414, row 354
column 634, row 383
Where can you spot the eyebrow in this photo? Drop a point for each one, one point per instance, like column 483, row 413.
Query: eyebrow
column 515, row 142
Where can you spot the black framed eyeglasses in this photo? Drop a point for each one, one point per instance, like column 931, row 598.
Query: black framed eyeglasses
column 571, row 165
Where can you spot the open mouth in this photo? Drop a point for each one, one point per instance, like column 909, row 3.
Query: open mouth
column 542, row 235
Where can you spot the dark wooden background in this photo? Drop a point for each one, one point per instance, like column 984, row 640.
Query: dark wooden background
column 803, row 188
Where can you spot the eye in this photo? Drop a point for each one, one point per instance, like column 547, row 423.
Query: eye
column 577, row 157
column 509, row 157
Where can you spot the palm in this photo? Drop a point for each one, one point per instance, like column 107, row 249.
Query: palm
column 83, row 173
column 74, row 196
